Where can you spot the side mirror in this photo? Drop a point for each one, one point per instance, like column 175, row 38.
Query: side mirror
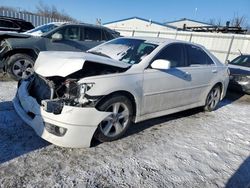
column 161, row 64
column 227, row 62
column 56, row 37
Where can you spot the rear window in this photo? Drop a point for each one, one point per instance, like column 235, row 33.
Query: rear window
column 7, row 24
column 92, row 34
column 106, row 35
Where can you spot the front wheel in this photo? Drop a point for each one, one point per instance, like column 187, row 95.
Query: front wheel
column 213, row 98
column 20, row 66
column 115, row 125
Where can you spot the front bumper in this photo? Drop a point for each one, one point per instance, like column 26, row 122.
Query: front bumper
column 236, row 84
column 80, row 123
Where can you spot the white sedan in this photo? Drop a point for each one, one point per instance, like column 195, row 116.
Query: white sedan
column 75, row 96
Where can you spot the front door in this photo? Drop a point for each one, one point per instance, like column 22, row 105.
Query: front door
column 166, row 89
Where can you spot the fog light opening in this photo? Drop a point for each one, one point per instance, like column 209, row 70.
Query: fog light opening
column 56, row 130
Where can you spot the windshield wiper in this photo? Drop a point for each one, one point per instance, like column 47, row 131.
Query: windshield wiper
column 98, row 53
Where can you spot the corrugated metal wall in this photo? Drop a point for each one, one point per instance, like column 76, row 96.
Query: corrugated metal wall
column 33, row 18
column 223, row 46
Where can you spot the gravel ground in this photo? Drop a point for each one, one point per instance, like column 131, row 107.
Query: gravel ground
column 187, row 149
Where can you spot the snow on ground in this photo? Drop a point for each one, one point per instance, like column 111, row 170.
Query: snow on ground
column 187, row 149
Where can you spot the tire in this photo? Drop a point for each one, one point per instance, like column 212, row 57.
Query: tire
column 20, row 66
column 213, row 98
column 114, row 126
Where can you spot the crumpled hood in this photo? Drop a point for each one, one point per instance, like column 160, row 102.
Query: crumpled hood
column 60, row 63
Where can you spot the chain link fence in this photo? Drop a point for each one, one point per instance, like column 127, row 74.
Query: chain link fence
column 36, row 20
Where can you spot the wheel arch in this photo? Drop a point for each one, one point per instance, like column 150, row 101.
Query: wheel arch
column 31, row 52
column 127, row 94
column 220, row 84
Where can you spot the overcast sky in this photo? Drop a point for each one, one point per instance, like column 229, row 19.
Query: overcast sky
column 157, row 10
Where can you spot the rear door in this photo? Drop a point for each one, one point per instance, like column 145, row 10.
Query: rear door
column 201, row 69
column 90, row 37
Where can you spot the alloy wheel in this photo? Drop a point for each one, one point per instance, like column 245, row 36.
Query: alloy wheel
column 213, row 98
column 22, row 68
column 114, row 124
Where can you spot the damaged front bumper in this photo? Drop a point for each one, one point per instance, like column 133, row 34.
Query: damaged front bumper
column 73, row 127
column 240, row 83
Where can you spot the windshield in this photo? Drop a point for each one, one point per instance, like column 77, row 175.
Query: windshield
column 130, row 51
column 43, row 28
column 243, row 60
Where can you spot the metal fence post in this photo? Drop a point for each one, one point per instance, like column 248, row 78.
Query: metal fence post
column 229, row 48
column 191, row 35
column 133, row 33
column 176, row 33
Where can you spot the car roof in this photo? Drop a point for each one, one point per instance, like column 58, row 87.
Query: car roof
column 12, row 19
column 85, row 24
column 159, row 41
column 57, row 23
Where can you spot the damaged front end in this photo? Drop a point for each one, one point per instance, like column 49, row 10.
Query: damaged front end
column 54, row 101
column 55, row 92
column 59, row 113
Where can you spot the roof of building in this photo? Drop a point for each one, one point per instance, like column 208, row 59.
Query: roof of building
column 186, row 19
column 143, row 19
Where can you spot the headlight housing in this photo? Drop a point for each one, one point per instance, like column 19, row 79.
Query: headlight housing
column 84, row 87
column 242, row 79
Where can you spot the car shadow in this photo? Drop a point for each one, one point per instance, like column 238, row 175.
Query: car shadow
column 16, row 138
column 139, row 127
column 231, row 96
column 241, row 178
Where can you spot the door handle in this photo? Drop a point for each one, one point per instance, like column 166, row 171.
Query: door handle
column 214, row 71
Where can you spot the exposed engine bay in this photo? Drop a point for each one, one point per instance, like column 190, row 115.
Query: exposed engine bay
column 54, row 92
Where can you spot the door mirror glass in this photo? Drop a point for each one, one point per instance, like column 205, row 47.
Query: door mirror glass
column 161, row 64
column 56, row 37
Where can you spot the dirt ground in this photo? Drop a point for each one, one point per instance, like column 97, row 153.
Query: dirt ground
column 187, row 149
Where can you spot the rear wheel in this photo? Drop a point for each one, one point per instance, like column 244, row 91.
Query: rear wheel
column 20, row 66
column 115, row 125
column 213, row 98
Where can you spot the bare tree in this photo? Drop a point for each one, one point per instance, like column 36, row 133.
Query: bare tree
column 238, row 21
column 5, row 8
column 51, row 11
column 211, row 21
column 215, row 22
column 218, row 23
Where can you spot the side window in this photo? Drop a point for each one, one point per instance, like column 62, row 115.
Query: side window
column 92, row 34
column 196, row 56
column 71, row 33
column 106, row 35
column 173, row 53
column 7, row 24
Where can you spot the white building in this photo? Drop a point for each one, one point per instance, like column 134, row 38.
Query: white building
column 138, row 24
column 183, row 23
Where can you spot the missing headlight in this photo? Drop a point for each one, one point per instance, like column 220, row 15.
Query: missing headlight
column 71, row 89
